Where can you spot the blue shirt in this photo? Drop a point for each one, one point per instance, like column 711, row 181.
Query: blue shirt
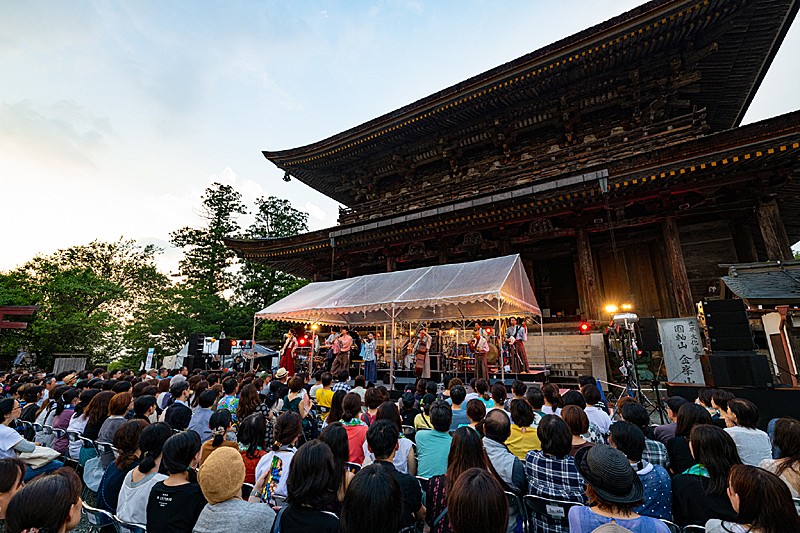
column 432, row 450
column 657, row 492
column 199, row 423
column 584, row 520
column 368, row 348
column 459, row 418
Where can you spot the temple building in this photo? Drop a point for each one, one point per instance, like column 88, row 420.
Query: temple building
column 612, row 161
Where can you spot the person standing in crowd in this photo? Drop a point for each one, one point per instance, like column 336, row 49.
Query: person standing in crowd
column 667, row 431
column 369, row 348
column 49, row 503
column 787, row 466
column 657, row 497
column 613, row 490
column 551, row 471
column 311, row 486
column 341, row 351
column 477, row 503
column 752, row 444
column 371, row 503
column 680, row 456
column 219, row 425
column 699, row 494
column 278, row 461
column 221, row 478
column 382, row 440
column 433, row 446
column 287, row 353
column 761, row 501
column 481, row 349
column 136, row 486
column 176, row 502
column 523, row 436
column 356, row 429
column 497, row 429
column 12, row 474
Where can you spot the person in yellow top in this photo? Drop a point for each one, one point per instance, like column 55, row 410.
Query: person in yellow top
column 423, row 421
column 523, row 434
column 325, row 394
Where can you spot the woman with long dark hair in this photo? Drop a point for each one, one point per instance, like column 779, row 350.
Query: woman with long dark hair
column 126, row 440
column 252, row 445
column 335, row 414
column 699, row 494
column 277, row 461
column 63, row 413
column 552, row 399
column 405, row 461
column 249, row 400
column 219, row 424
column 762, row 503
column 335, row 436
column 176, row 502
column 78, row 421
column 689, row 416
column 311, row 485
column 477, row 503
column 371, row 503
column 197, row 390
column 12, row 475
column 49, row 503
column 135, row 490
column 787, row 439
column 466, row 451
column 356, row 429
column 578, row 424
column 96, row 413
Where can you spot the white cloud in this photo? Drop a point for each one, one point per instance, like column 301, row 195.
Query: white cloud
column 315, row 211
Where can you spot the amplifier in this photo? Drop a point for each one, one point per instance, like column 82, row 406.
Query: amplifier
column 740, row 369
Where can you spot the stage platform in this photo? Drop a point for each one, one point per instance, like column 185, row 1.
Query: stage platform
column 405, row 377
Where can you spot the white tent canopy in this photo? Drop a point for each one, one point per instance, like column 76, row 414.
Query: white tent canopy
column 478, row 290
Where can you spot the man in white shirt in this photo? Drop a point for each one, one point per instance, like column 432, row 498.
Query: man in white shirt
column 596, row 416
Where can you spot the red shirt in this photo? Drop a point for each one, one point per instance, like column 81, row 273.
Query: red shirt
column 356, row 435
column 250, row 465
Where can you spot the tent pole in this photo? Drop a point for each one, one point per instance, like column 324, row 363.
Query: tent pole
column 500, row 341
column 253, row 343
column 544, row 352
column 394, row 354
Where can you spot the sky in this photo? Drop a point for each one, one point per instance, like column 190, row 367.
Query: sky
column 115, row 116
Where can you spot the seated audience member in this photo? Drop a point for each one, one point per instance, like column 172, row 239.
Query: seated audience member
column 324, row 399
column 613, row 490
column 752, row 443
column 481, row 388
column 144, row 408
column 657, row 497
column 63, row 413
column 518, row 389
column 699, row 494
column 317, row 385
column 719, row 401
column 119, row 405
column 594, row 434
column 450, row 384
column 252, row 446
column 279, row 459
column 552, row 399
column 126, row 440
column 499, row 395
column 665, row 432
column 762, row 503
column 523, row 436
column 49, row 503
column 342, row 382
column 219, row 425
column 135, row 490
column 466, row 452
column 335, row 436
column 356, row 429
column 229, row 400
column 597, row 415
column 382, row 440
column 680, row 456
column 179, row 415
column 655, row 452
column 578, row 424
column 704, row 400
column 423, row 420
column 497, row 429
column 477, row 503
column 787, row 466
column 12, row 472
column 551, row 471
column 457, row 407
column 433, row 445
column 311, row 486
column 476, row 412
column 96, row 414
column 408, row 409
column 360, row 387
column 201, row 416
column 220, row 478
column 373, row 398
column 249, row 401
column 372, row 502
column 12, row 443
column 405, row 460
column 176, row 502
column 535, row 399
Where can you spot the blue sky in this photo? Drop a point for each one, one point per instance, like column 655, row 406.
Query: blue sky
column 114, row 116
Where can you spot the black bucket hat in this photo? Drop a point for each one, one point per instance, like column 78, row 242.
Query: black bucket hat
column 610, row 474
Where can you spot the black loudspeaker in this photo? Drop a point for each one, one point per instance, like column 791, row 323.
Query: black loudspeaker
column 224, row 347
column 727, row 325
column 740, row 369
column 194, row 361
column 196, row 342
column 647, row 327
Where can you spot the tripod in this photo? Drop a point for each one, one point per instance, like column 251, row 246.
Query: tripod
column 625, row 338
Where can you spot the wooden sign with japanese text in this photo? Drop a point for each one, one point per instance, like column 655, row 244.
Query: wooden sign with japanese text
column 682, row 345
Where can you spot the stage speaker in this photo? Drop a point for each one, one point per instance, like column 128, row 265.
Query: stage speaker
column 194, row 361
column 224, row 347
column 647, row 328
column 727, row 325
column 196, row 342
column 740, row 369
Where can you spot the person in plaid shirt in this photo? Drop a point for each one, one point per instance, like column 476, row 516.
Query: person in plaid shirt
column 342, row 382
column 655, row 452
column 552, row 473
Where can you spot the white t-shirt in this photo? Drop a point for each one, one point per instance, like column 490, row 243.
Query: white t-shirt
column 400, row 460
column 599, row 418
column 286, row 456
column 76, row 423
column 132, row 506
column 8, row 439
column 752, row 444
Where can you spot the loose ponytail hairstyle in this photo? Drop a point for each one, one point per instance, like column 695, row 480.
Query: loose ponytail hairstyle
column 219, row 423
column 287, row 428
column 126, row 440
column 151, row 442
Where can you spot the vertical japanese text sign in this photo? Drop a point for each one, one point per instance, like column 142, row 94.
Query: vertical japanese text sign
column 682, row 347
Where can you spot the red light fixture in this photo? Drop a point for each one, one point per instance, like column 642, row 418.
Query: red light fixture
column 302, row 341
column 233, row 342
column 584, row 327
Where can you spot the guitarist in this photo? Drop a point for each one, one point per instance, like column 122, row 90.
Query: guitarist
column 421, row 350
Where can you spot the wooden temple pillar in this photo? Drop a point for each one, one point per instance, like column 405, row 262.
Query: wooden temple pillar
column 587, row 280
column 773, row 231
column 391, row 263
column 679, row 280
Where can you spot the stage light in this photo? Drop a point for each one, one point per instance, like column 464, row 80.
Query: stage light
column 233, row 342
column 627, row 307
column 314, row 327
column 584, row 327
column 452, row 332
column 611, row 308
column 302, row 341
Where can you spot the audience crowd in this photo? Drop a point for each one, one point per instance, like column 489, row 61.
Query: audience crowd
column 215, row 452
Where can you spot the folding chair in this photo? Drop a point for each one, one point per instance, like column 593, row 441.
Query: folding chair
column 796, row 504
column 673, row 527
column 694, row 528
column 354, row 468
column 247, row 490
column 47, row 430
column 59, row 433
column 97, row 518
column 549, row 510
column 37, row 427
column 409, row 431
column 88, row 443
column 423, row 483
column 516, row 507
column 73, row 435
column 126, row 527
column 105, row 448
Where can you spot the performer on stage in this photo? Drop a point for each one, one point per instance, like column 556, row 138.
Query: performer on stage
column 479, row 329
column 422, row 349
column 328, row 347
column 370, row 363
column 287, row 353
column 481, row 349
column 516, row 335
column 341, row 350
